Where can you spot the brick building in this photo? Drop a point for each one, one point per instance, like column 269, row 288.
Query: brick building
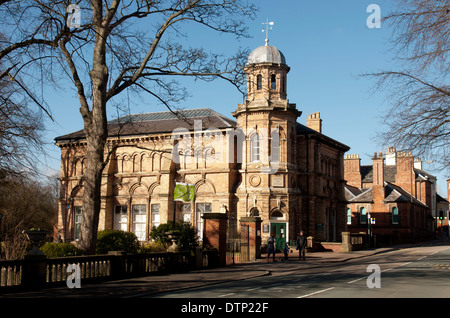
column 264, row 163
column 442, row 209
column 392, row 199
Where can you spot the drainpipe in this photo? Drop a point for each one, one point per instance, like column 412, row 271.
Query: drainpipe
column 307, row 185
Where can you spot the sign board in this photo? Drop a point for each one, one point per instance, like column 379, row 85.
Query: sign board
column 278, row 180
column 184, row 192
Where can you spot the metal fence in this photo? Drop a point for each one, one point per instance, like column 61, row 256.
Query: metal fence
column 238, row 250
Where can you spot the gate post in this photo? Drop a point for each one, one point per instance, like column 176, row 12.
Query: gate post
column 34, row 271
column 254, row 236
column 346, row 242
column 215, row 234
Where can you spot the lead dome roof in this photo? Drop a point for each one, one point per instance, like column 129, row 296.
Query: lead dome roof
column 266, row 54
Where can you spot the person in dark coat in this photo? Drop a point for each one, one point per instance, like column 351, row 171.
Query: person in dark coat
column 271, row 247
column 286, row 251
column 301, row 245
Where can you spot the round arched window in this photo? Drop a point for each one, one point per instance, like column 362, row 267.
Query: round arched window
column 254, row 212
column 277, row 215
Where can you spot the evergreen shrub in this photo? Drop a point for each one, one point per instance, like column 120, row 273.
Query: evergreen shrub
column 59, row 249
column 116, row 240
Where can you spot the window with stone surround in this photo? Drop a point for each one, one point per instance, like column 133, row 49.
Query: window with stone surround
column 120, row 217
column 349, row 216
column 363, row 215
column 254, row 148
column 259, row 82
column 394, row 215
column 77, row 222
column 186, row 212
column 155, row 214
column 139, row 221
column 273, row 82
column 275, row 150
column 200, row 209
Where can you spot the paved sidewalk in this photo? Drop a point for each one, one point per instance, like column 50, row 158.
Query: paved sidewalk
column 148, row 285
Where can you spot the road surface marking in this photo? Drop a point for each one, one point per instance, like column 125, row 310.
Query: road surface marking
column 356, row 280
column 315, row 293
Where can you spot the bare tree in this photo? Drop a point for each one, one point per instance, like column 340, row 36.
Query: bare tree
column 419, row 115
column 119, row 45
column 21, row 126
column 25, row 203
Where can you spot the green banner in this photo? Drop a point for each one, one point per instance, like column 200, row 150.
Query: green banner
column 184, row 192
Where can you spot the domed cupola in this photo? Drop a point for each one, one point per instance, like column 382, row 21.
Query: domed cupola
column 266, row 71
column 266, row 54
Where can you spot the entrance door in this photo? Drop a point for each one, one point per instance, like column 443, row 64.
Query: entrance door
column 279, row 229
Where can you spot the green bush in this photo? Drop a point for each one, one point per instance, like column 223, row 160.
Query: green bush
column 59, row 249
column 188, row 235
column 116, row 240
column 151, row 247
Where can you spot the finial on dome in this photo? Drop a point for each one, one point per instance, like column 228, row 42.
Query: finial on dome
column 267, row 29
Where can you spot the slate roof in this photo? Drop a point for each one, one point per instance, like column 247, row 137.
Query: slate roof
column 440, row 199
column 159, row 122
column 304, row 130
column 352, row 191
column 367, row 173
column 392, row 193
column 167, row 122
column 389, row 173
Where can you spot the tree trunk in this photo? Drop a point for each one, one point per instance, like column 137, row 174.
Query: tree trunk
column 95, row 129
column 92, row 190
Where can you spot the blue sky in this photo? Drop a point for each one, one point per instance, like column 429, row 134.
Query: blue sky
column 327, row 45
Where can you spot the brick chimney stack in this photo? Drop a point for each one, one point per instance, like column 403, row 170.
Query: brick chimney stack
column 405, row 173
column 378, row 170
column 378, row 181
column 448, row 192
column 418, row 163
column 352, row 170
column 314, row 122
column 391, row 156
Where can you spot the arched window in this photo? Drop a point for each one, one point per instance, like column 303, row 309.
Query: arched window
column 394, row 215
column 275, row 151
column 273, row 82
column 363, row 215
column 259, row 82
column 349, row 216
column 77, row 222
column 254, row 212
column 254, row 148
column 277, row 215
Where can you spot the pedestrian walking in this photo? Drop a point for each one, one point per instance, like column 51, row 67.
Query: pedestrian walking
column 286, row 251
column 301, row 245
column 271, row 247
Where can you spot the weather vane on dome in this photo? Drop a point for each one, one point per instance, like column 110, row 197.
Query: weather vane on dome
column 267, row 29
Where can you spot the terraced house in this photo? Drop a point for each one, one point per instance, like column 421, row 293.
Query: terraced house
column 393, row 200
column 262, row 163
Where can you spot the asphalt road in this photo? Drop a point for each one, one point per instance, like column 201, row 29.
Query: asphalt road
column 419, row 272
